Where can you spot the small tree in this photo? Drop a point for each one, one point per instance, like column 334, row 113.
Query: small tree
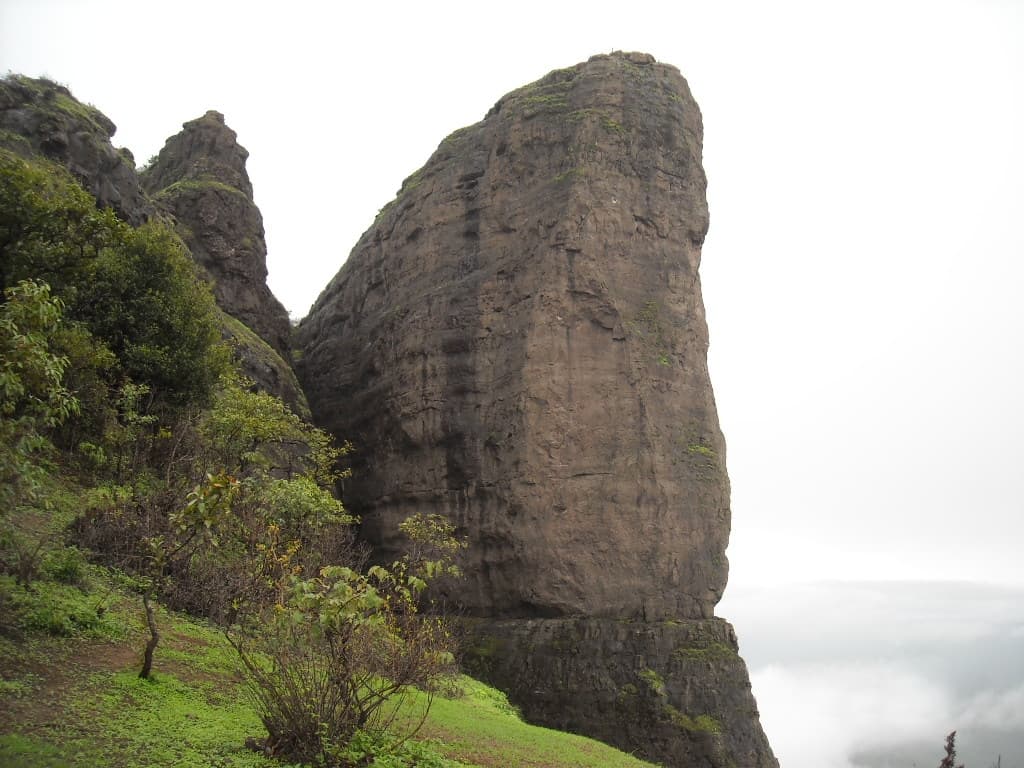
column 337, row 652
column 33, row 401
column 198, row 523
column 949, row 761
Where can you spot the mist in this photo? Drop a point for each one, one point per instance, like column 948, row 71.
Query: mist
column 875, row 674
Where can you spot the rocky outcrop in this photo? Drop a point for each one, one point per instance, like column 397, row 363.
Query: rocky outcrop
column 519, row 343
column 199, row 178
column 38, row 116
column 675, row 691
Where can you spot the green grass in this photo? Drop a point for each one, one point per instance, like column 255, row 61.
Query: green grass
column 60, row 610
column 69, row 684
column 479, row 726
column 72, row 698
column 166, row 721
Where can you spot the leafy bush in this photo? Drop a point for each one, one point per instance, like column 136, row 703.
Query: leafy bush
column 335, row 655
column 370, row 749
column 57, row 609
column 144, row 299
column 33, row 398
column 50, row 229
column 66, row 565
column 133, row 295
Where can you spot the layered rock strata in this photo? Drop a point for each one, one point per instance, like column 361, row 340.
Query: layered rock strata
column 518, row 343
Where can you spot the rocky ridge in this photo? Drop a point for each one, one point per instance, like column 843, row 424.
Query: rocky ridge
column 199, row 177
column 42, row 117
column 519, row 343
column 199, row 180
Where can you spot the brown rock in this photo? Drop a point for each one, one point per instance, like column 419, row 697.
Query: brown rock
column 675, row 691
column 519, row 343
column 38, row 116
column 205, row 150
column 199, row 178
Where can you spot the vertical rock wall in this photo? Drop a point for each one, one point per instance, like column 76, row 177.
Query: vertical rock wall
column 519, row 343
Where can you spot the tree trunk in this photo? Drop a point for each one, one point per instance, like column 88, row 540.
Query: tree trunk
column 154, row 638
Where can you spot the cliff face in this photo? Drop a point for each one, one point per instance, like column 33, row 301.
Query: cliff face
column 518, row 343
column 42, row 117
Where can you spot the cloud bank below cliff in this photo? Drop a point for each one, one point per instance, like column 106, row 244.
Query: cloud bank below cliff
column 875, row 674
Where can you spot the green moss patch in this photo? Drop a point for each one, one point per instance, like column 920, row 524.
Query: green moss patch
column 198, row 185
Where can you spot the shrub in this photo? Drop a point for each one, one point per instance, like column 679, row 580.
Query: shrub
column 949, row 761
column 144, row 299
column 337, row 652
column 33, row 398
column 66, row 565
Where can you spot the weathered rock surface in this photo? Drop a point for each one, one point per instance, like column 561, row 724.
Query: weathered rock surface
column 200, row 179
column 676, row 691
column 519, row 343
column 42, row 117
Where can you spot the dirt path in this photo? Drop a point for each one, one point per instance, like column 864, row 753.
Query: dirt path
column 49, row 682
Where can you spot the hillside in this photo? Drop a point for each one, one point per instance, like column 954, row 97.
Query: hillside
column 69, row 689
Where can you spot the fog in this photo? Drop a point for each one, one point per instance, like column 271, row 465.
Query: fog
column 875, row 674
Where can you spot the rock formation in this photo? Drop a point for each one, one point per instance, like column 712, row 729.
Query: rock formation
column 518, row 343
column 200, row 179
column 42, row 117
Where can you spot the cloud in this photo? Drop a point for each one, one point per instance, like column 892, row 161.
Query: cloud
column 819, row 715
column 996, row 710
column 874, row 675
column 851, row 715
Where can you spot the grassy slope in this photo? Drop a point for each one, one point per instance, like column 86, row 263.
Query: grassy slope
column 70, row 695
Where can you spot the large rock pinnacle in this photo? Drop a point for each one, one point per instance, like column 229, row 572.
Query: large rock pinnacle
column 199, row 177
column 206, row 149
column 519, row 343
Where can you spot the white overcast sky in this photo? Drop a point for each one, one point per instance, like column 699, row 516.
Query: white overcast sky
column 864, row 271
